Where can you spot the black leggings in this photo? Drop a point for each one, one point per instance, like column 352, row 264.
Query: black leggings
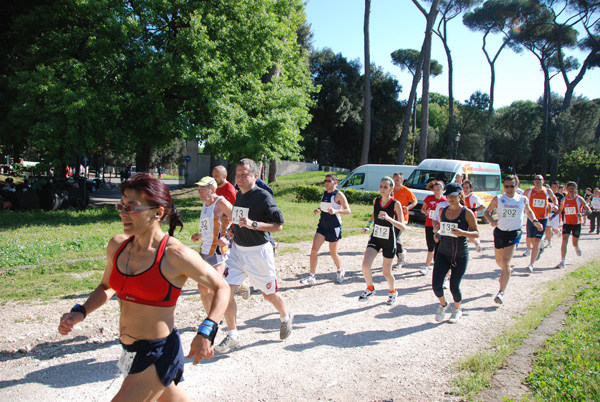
column 441, row 266
column 595, row 221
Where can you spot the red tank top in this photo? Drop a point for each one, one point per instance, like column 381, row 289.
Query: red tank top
column 538, row 201
column 572, row 208
column 149, row 287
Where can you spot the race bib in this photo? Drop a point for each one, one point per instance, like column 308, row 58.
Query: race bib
column 509, row 213
column 325, row 206
column 125, row 361
column 204, row 227
column 570, row 211
column 431, row 213
column 539, row 203
column 446, row 228
column 381, row 232
column 239, row 212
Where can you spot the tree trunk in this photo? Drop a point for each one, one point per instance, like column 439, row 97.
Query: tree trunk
column 450, row 129
column 431, row 16
column 272, row 171
column 142, row 158
column 364, row 157
column 545, row 121
column 425, row 99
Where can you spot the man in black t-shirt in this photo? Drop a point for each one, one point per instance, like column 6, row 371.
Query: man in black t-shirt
column 255, row 215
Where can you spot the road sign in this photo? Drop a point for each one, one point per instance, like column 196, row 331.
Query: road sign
column 85, row 160
column 187, row 158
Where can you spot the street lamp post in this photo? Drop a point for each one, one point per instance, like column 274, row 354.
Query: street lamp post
column 457, row 140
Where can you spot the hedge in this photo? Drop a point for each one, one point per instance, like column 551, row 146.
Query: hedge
column 306, row 193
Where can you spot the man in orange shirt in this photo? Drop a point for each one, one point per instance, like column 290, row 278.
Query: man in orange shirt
column 538, row 196
column 408, row 201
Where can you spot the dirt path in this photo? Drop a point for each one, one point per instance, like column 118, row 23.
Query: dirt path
column 340, row 350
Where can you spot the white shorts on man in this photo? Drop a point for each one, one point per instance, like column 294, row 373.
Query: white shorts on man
column 256, row 262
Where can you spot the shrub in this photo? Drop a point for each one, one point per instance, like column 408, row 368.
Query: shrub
column 580, row 166
column 306, row 193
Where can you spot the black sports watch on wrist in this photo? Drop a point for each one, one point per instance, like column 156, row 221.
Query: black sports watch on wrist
column 254, row 225
column 78, row 308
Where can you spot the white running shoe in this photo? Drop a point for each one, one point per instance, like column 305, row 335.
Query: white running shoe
column 365, row 295
column 309, row 280
column 578, row 251
column 527, row 253
column 446, row 284
column 244, row 291
column 227, row 344
column 549, row 244
column 456, row 314
column 478, row 248
column 392, row 298
column 561, row 265
column 530, row 268
column 424, row 271
column 499, row 299
column 441, row 312
column 403, row 257
column 341, row 275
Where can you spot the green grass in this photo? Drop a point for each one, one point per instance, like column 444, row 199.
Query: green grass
column 44, row 242
column 476, row 371
column 567, row 368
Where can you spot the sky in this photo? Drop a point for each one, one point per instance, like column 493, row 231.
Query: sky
column 398, row 24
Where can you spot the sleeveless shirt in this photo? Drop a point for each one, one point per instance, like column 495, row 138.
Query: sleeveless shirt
column 149, row 287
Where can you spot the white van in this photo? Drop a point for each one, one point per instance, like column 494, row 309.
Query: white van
column 485, row 177
column 367, row 177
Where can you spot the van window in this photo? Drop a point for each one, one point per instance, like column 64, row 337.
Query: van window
column 355, row 180
column 485, row 182
column 419, row 178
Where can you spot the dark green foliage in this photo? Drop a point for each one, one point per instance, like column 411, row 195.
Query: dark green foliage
column 306, row 193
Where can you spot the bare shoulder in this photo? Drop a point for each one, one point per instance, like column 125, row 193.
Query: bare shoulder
column 116, row 242
column 176, row 252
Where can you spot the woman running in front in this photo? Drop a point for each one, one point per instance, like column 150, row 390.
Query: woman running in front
column 387, row 214
column 147, row 269
column 458, row 225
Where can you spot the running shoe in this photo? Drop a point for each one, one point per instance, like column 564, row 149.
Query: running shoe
column 441, row 311
column 578, row 251
column 512, row 270
column 286, row 327
column 527, row 253
column 478, row 247
column 340, row 275
column 530, row 268
column 561, row 265
column 499, row 299
column 425, row 271
column 365, row 295
column 540, row 253
column 244, row 291
column 456, row 314
column 446, row 284
column 549, row 244
column 227, row 344
column 403, row 257
column 392, row 298
column 309, row 280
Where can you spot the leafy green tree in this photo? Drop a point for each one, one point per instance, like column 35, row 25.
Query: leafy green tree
column 335, row 129
column 581, row 166
column 515, row 128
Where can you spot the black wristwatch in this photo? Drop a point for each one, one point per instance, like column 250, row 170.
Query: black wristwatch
column 254, row 225
column 78, row 308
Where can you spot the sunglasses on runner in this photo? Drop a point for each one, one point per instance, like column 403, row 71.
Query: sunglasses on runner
column 509, row 186
column 132, row 208
column 327, row 181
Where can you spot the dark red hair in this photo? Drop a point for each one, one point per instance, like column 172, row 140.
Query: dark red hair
column 156, row 192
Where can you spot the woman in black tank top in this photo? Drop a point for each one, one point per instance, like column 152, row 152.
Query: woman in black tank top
column 458, row 225
column 387, row 215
